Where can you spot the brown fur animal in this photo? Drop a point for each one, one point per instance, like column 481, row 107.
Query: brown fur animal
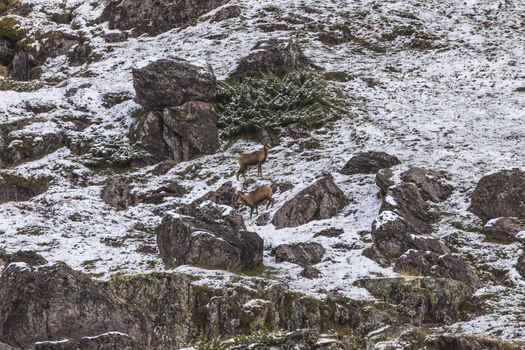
column 250, row 159
column 253, row 199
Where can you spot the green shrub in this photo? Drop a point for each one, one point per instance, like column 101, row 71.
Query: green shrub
column 115, row 153
column 270, row 101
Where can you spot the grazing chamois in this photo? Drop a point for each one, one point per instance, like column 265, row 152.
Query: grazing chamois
column 250, row 159
column 255, row 198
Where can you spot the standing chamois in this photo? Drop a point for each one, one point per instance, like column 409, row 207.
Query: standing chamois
column 255, row 198
column 250, row 159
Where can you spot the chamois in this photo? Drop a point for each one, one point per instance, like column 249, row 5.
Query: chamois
column 255, row 198
column 251, row 159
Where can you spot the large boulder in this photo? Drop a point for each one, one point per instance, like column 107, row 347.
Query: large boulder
column 428, row 263
column 501, row 194
column 430, row 183
column 156, row 16
column 393, row 236
column 321, row 200
column 173, row 82
column 179, row 133
column 215, row 236
column 55, row 302
column 504, row 230
column 14, row 187
column 119, row 192
column 406, row 200
column 303, row 254
column 424, row 300
column 277, row 56
column 369, row 163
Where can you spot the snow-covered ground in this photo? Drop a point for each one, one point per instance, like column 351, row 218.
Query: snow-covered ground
column 452, row 107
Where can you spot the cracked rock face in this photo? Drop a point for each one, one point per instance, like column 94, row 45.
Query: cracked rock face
column 55, row 302
column 321, row 200
column 212, row 237
column 156, row 16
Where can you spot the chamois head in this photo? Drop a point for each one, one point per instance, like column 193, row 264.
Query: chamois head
column 238, row 197
column 267, row 146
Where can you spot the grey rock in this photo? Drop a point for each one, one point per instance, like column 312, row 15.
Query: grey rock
column 321, row 200
column 425, row 300
column 172, row 82
column 369, row 163
column 430, row 183
column 15, row 187
column 277, row 56
column 209, row 238
column 501, row 194
column 180, row 133
column 310, row 272
column 55, row 302
column 303, row 254
column 428, row 263
column 384, row 180
column 406, row 200
column 156, row 16
column 503, row 230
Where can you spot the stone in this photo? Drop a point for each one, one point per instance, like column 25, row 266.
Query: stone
column 406, row 200
column 501, row 194
column 278, row 56
column 180, row 133
column 156, row 16
column 21, row 66
column 424, row 300
column 330, row 232
column 215, row 236
column 428, row 263
column 369, row 163
column 25, row 256
column 55, row 302
column 310, row 272
column 430, row 183
column 303, row 254
column 321, row 200
column 173, row 82
column 393, row 236
column 504, row 230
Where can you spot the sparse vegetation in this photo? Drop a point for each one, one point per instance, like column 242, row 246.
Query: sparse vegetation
column 270, row 101
column 117, row 154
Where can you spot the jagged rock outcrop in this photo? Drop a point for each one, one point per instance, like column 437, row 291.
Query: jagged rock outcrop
column 277, row 55
column 224, row 195
column 55, row 302
column 182, row 308
column 430, row 183
column 156, row 16
column 180, row 123
column 14, row 187
column 321, row 200
column 330, row 232
column 369, row 163
column 501, row 194
column 424, row 300
column 303, row 254
column 179, row 133
column 428, row 263
column 406, row 200
column 504, row 230
column 105, row 341
column 393, row 236
column 310, row 272
column 215, row 236
column 173, row 82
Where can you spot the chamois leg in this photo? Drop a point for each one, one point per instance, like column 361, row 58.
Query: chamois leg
column 242, row 171
column 259, row 169
column 251, row 212
column 271, row 202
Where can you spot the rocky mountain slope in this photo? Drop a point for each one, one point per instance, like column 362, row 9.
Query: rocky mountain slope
column 397, row 168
